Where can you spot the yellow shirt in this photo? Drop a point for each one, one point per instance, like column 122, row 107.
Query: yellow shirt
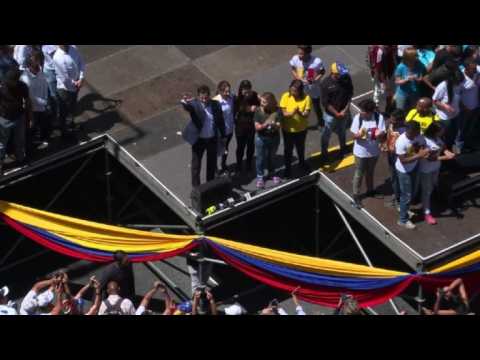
column 297, row 122
column 424, row 121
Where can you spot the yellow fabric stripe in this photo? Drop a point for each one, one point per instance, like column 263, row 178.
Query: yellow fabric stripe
column 94, row 235
column 464, row 261
column 327, row 267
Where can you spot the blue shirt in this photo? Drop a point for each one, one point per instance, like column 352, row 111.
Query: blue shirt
column 426, row 56
column 412, row 87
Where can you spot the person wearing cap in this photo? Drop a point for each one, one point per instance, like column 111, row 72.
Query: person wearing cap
column 309, row 69
column 40, row 299
column 337, row 93
column 6, row 307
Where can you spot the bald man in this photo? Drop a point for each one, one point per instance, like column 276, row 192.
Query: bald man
column 423, row 114
column 114, row 304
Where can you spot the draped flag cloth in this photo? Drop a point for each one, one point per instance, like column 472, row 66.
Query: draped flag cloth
column 321, row 281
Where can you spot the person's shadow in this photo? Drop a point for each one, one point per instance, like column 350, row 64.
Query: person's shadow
column 104, row 108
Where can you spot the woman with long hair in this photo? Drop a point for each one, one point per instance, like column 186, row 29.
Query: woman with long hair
column 446, row 99
column 245, row 106
column 227, row 101
column 268, row 119
column 296, row 106
column 430, row 167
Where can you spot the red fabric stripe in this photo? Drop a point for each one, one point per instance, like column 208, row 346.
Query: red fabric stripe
column 317, row 295
column 82, row 256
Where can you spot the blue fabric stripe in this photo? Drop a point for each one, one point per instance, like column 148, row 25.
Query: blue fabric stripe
column 56, row 239
column 311, row 278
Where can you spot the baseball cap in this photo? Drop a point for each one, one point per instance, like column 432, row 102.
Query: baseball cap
column 234, row 309
column 339, row 68
column 185, row 307
column 4, row 291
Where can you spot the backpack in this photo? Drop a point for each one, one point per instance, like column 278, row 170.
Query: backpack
column 113, row 309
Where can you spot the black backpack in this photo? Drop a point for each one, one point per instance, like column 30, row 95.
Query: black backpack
column 113, row 309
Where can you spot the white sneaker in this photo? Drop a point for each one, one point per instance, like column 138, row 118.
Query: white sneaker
column 42, row 145
column 408, row 225
column 411, row 214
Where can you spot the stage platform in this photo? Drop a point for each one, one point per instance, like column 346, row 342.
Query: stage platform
column 130, row 108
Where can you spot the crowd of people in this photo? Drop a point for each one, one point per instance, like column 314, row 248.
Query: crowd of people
column 39, row 86
column 113, row 294
column 425, row 100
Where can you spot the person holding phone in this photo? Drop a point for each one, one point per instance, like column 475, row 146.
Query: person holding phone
column 310, row 70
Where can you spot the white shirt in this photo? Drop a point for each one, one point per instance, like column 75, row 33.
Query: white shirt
column 427, row 166
column 33, row 301
column 21, row 54
column 470, row 91
column 441, row 95
column 48, row 52
column 228, row 116
column 7, row 310
column 37, row 88
column 69, row 67
column 140, row 311
column 405, row 146
column 314, row 63
column 367, row 148
column 401, row 49
column 298, row 310
column 126, row 306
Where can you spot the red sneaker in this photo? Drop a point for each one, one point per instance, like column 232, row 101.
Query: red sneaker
column 430, row 220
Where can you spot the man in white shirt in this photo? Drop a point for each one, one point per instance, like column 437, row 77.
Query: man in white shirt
column 38, row 90
column 470, row 98
column 70, row 72
column 38, row 300
column 310, row 70
column 21, row 53
column 368, row 129
column 410, row 148
column 114, row 304
column 6, row 307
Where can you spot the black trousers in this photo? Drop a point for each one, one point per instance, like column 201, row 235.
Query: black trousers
column 292, row 140
column 245, row 142
column 225, row 155
column 67, row 102
column 202, row 145
column 40, row 130
column 318, row 112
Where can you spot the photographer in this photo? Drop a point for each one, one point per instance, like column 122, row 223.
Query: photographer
column 39, row 300
column 201, row 296
column 347, row 305
column 451, row 300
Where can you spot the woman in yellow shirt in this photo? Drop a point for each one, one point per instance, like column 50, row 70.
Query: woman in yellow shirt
column 296, row 106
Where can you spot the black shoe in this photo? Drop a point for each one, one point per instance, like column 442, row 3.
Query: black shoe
column 305, row 167
column 374, row 194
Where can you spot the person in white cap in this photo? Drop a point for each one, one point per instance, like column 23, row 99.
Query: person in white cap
column 38, row 300
column 6, row 307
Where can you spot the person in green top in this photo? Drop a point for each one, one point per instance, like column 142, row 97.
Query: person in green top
column 268, row 120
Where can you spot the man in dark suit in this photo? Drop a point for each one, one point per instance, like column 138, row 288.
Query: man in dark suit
column 208, row 126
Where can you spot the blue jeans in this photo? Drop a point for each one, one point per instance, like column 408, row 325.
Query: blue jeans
column 265, row 148
column 337, row 126
column 428, row 182
column 52, row 90
column 407, row 189
column 392, row 159
column 406, row 102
